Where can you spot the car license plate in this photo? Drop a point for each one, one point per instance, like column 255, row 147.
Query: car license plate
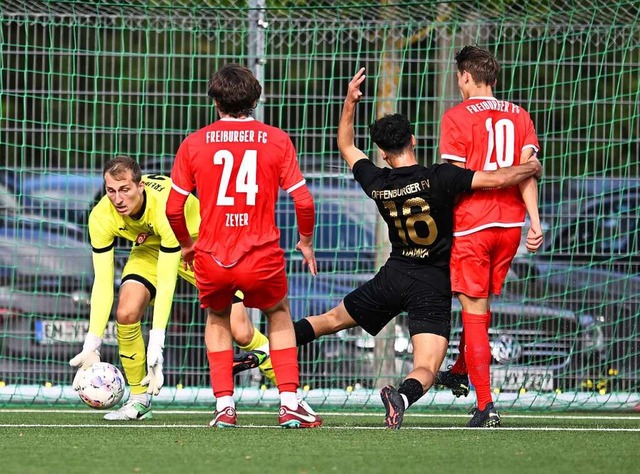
column 48, row 331
column 514, row 379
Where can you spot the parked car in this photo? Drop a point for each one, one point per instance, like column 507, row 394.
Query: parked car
column 45, row 274
column 549, row 347
column 346, row 251
column 613, row 298
column 344, row 238
column 602, row 229
column 53, row 334
column 533, row 346
column 590, row 263
column 56, row 194
column 538, row 347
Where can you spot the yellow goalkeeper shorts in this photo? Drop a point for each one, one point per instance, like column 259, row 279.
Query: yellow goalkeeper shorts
column 142, row 266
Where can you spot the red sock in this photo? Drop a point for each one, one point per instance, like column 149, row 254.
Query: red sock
column 478, row 355
column 221, row 372
column 285, row 366
column 460, row 367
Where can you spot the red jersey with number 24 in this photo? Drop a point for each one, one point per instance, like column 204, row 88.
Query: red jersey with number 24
column 485, row 134
column 237, row 166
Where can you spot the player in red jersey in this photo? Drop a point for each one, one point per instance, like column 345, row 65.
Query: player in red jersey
column 238, row 165
column 484, row 133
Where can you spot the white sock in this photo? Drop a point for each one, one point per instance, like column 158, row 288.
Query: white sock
column 224, row 402
column 289, row 400
column 406, row 400
column 141, row 397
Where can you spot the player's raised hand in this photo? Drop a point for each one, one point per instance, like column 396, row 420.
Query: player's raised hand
column 354, row 93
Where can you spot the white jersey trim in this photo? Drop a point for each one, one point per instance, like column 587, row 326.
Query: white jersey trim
column 237, row 119
column 486, row 226
column 445, row 156
column 481, row 97
column 296, row 186
column 531, row 146
column 179, row 189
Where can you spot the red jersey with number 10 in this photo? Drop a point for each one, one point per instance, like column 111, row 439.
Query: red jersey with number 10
column 237, row 166
column 485, row 134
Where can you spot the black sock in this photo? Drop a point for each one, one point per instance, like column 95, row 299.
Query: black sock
column 304, row 332
column 412, row 389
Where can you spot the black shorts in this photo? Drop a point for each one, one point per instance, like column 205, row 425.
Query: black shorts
column 390, row 292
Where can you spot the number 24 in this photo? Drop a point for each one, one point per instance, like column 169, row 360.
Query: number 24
column 245, row 180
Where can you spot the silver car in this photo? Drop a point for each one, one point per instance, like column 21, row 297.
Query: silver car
column 45, row 278
column 533, row 346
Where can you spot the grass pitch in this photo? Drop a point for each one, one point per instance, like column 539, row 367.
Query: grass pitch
column 80, row 441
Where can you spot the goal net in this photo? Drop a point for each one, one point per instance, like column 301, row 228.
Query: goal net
column 84, row 81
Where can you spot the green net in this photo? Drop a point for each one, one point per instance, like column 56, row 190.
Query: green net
column 84, row 81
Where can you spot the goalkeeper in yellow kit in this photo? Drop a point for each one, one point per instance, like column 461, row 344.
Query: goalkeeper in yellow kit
column 134, row 208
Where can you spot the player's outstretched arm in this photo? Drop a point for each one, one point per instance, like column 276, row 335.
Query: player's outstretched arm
column 101, row 302
column 505, row 177
column 346, row 144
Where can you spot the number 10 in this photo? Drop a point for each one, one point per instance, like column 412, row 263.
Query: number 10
column 502, row 138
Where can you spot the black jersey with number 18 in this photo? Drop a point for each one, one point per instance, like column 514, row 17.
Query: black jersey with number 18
column 417, row 204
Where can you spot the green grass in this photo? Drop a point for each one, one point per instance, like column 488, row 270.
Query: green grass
column 79, row 441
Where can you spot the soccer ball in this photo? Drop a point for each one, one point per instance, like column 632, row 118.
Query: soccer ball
column 101, row 385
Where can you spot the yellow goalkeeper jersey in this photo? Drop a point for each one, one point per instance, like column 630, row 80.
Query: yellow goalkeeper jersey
column 151, row 230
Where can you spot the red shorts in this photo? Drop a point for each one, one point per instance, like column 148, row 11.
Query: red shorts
column 480, row 261
column 260, row 275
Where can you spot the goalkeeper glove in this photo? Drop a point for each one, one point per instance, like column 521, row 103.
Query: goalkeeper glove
column 155, row 378
column 90, row 355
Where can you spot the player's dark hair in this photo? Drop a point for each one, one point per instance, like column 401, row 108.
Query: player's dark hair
column 118, row 167
column 480, row 63
column 235, row 89
column 392, row 133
